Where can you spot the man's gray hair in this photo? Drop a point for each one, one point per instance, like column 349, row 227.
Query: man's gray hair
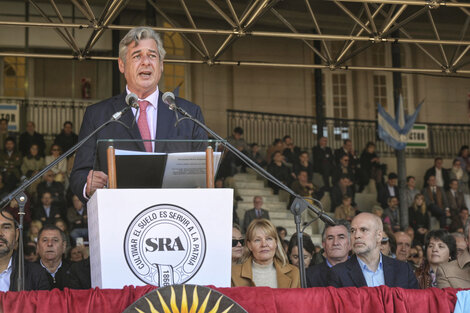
column 344, row 223
column 135, row 35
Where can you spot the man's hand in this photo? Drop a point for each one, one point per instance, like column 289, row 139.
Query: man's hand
column 95, row 180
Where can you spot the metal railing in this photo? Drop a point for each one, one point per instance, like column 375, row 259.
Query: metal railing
column 49, row 114
column 445, row 140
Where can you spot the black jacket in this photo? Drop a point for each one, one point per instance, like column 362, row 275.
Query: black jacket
column 317, row 275
column 396, row 274
column 35, row 276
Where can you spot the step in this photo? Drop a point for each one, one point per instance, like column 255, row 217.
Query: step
column 244, row 177
column 265, row 192
column 366, row 201
column 258, row 184
column 270, row 206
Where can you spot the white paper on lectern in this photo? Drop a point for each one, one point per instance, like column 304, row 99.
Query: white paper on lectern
column 190, row 165
column 111, row 211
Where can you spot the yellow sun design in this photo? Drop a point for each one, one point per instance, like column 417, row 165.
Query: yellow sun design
column 184, row 304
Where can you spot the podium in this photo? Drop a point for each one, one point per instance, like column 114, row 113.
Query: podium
column 160, row 237
column 143, row 234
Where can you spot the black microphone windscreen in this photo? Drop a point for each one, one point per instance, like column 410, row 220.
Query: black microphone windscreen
column 132, row 100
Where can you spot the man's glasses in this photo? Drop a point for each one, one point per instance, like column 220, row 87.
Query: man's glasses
column 236, row 241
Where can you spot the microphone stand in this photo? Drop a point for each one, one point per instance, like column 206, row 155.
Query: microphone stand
column 298, row 205
column 21, row 197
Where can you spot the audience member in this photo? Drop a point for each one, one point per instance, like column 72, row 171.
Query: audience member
column 455, row 198
column 459, row 221
column 10, row 163
column 290, row 152
column 33, row 231
column 67, row 138
column 78, row 253
column 343, row 168
column 30, row 253
column 323, row 160
column 441, row 174
column 56, row 189
column 368, row 267
column 277, row 146
column 308, row 250
column 336, row 244
column 278, row 169
column 419, row 219
column 370, row 167
column 35, row 278
column 237, row 244
column 387, row 190
column 377, row 210
column 416, row 256
column 461, row 175
column 303, row 164
column 256, row 213
column 391, row 216
column 51, row 248
column 460, row 243
column 342, row 188
column 32, row 162
column 456, row 274
column 464, row 158
column 256, row 156
column 281, row 232
column 264, row 262
column 345, row 211
column 302, row 186
column 436, row 200
column 46, row 212
column 78, row 219
column 403, row 245
column 388, row 245
column 62, row 225
column 60, row 169
column 410, row 191
column 30, row 137
column 439, row 248
column 346, row 149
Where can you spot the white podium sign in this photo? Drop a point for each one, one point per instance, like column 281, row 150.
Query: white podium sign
column 160, row 237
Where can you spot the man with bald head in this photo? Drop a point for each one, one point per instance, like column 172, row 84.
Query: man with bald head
column 368, row 267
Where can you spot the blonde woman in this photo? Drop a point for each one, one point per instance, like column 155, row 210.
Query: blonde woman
column 264, row 262
column 419, row 218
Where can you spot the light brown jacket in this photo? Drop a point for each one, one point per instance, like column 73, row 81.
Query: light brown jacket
column 288, row 276
column 455, row 274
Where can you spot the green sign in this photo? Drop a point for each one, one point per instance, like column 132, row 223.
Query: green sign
column 418, row 137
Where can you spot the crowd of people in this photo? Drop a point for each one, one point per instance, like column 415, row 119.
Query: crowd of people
column 368, row 246
column 55, row 220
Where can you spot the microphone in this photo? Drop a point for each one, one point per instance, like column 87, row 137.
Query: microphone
column 169, row 98
column 132, row 100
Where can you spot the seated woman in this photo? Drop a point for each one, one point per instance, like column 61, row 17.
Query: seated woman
column 439, row 248
column 264, row 262
column 308, row 250
column 60, row 169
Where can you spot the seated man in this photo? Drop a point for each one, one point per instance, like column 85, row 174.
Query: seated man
column 256, row 212
column 368, row 267
column 35, row 277
column 336, row 243
column 387, row 190
column 51, row 247
column 456, row 274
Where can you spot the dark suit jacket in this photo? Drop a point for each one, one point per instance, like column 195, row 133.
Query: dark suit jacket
column 455, row 203
column 99, row 113
column 383, row 194
column 40, row 214
column 317, row 275
column 432, row 172
column 396, row 274
column 250, row 215
column 323, row 160
column 35, row 276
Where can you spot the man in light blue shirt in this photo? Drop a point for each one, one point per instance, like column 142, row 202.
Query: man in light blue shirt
column 368, row 267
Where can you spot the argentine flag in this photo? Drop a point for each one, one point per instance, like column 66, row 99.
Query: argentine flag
column 394, row 131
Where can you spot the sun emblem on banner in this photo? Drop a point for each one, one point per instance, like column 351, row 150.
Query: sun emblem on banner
column 200, row 300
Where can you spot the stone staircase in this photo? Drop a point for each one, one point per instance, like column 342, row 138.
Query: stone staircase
column 250, row 185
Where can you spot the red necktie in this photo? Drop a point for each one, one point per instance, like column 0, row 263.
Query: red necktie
column 144, row 125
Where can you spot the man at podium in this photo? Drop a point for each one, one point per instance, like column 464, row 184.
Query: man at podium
column 141, row 55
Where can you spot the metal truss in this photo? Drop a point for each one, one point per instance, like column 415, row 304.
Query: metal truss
column 364, row 25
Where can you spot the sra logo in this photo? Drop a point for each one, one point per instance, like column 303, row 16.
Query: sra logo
column 164, row 245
